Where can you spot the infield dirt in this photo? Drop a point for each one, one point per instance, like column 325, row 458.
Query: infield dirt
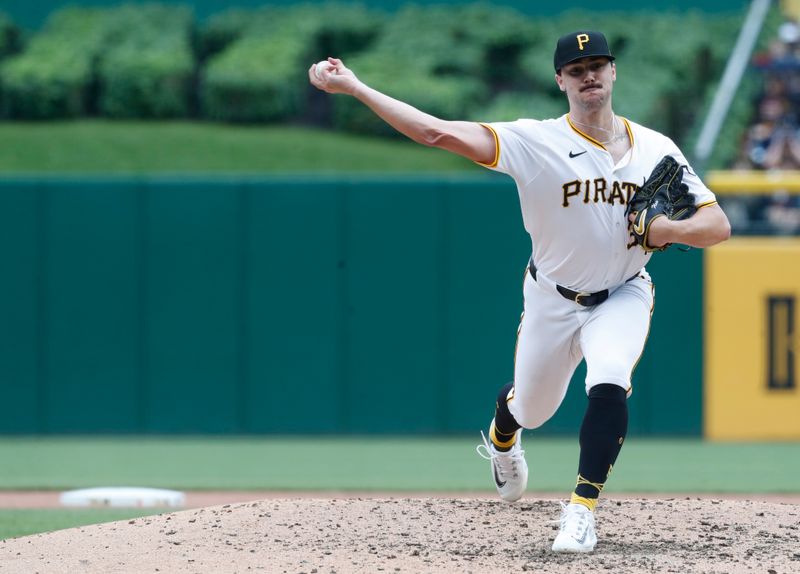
column 422, row 535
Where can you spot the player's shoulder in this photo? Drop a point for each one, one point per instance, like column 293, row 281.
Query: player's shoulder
column 643, row 133
column 530, row 125
column 653, row 145
column 549, row 123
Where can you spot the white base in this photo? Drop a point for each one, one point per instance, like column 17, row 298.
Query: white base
column 123, row 497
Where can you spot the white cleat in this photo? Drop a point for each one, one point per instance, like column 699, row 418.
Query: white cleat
column 509, row 469
column 577, row 529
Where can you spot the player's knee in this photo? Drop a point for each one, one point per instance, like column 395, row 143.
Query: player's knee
column 530, row 421
column 609, row 371
column 530, row 416
column 505, row 394
column 608, row 392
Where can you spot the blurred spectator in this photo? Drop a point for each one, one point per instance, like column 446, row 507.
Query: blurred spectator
column 783, row 213
column 773, row 140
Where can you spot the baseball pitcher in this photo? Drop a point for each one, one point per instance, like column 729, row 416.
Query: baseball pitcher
column 599, row 194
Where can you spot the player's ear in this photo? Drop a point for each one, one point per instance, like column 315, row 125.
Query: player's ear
column 613, row 71
column 560, row 82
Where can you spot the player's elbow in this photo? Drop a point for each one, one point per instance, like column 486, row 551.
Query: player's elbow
column 724, row 231
column 721, row 231
column 434, row 137
column 713, row 227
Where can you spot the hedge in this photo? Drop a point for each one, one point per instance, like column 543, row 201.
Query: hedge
column 473, row 61
column 445, row 61
column 148, row 70
column 260, row 78
column 131, row 61
column 53, row 76
column 261, row 75
column 10, row 39
column 222, row 29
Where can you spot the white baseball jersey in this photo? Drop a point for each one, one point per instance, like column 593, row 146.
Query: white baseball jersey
column 573, row 197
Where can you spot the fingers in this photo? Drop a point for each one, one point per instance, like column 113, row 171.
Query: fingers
column 319, row 81
column 333, row 78
column 338, row 65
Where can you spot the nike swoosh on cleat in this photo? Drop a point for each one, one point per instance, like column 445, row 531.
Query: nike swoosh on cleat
column 582, row 539
column 497, row 481
column 576, row 154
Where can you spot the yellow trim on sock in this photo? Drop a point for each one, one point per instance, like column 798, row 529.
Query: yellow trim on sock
column 598, row 485
column 497, row 442
column 589, row 503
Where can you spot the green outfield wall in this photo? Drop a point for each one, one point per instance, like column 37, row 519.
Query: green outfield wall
column 236, row 305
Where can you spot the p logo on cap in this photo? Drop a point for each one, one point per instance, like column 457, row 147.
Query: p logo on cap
column 580, row 44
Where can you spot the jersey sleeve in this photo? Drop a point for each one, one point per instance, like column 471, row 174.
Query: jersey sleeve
column 702, row 195
column 515, row 149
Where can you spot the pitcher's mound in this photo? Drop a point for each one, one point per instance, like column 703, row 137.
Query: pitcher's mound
column 430, row 535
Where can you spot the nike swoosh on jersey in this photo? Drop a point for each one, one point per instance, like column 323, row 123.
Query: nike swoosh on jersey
column 497, row 481
column 576, row 154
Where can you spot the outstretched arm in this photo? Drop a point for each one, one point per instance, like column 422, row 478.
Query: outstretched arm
column 705, row 228
column 468, row 139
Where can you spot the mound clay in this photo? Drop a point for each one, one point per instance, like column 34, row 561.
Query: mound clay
column 422, row 535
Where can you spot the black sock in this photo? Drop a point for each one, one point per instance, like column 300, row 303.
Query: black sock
column 503, row 435
column 603, row 431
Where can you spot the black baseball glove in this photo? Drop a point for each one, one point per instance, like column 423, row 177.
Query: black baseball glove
column 662, row 194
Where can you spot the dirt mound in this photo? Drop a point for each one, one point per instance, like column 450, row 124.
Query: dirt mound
column 422, row 535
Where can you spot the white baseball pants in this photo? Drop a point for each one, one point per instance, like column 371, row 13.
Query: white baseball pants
column 556, row 333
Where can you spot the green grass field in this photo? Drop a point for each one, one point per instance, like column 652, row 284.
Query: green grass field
column 400, row 464
column 364, row 464
column 22, row 522
column 82, row 147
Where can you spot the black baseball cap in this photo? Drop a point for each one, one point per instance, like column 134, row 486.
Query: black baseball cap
column 581, row 44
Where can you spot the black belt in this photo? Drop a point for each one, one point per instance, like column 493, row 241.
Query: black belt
column 583, row 298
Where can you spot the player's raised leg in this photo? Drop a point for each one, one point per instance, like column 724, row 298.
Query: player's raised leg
column 546, row 357
column 504, row 450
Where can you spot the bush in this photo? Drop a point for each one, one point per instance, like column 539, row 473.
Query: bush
column 10, row 40
column 445, row 61
column 341, row 30
column 148, row 70
column 258, row 79
column 469, row 61
column 430, row 40
column 261, row 76
column 501, row 36
column 53, row 77
column 221, row 30
column 133, row 61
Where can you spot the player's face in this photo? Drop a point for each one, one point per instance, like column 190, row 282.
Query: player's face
column 588, row 82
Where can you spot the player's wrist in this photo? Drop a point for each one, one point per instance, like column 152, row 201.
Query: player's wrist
column 662, row 231
column 358, row 89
